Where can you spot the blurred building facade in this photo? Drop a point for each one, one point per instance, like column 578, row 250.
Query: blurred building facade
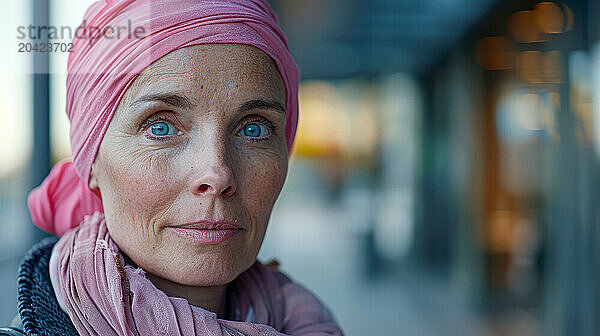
column 511, row 172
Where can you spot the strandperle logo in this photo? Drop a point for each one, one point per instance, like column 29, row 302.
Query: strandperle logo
column 90, row 33
column 42, row 37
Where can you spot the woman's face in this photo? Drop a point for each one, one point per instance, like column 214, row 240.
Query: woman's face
column 199, row 136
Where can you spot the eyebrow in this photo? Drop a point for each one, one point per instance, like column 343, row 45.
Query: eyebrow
column 264, row 104
column 184, row 102
column 172, row 99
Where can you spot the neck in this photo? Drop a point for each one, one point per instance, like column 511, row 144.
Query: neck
column 211, row 298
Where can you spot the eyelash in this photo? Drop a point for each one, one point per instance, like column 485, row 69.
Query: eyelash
column 150, row 121
column 250, row 119
column 256, row 118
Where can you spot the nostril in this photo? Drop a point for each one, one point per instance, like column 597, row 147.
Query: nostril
column 203, row 188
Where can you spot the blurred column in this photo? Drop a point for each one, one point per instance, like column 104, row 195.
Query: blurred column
column 400, row 125
column 464, row 84
column 572, row 290
column 433, row 222
column 40, row 161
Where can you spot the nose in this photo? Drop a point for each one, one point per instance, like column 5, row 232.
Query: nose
column 213, row 179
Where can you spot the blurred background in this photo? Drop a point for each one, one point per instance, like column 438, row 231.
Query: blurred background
column 445, row 176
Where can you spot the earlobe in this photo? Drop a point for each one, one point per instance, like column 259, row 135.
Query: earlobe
column 93, row 184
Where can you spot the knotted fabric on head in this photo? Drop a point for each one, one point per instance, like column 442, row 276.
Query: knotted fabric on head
column 116, row 41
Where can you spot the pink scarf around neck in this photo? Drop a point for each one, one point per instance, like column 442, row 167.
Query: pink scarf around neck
column 114, row 298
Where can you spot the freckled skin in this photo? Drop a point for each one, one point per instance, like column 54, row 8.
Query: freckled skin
column 147, row 185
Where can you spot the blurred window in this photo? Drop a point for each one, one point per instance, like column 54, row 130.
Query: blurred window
column 16, row 134
column 65, row 15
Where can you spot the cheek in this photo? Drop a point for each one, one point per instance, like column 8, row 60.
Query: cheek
column 138, row 191
column 149, row 189
column 261, row 183
column 259, row 186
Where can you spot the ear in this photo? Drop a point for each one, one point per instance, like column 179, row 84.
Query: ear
column 93, row 184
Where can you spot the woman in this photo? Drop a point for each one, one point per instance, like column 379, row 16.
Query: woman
column 180, row 140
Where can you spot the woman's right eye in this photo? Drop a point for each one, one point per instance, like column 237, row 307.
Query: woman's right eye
column 161, row 129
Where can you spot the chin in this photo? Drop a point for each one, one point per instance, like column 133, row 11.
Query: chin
column 209, row 271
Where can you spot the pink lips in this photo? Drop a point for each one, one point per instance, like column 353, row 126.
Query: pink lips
column 207, row 232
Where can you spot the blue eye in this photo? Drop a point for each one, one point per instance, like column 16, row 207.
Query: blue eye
column 162, row 128
column 253, row 130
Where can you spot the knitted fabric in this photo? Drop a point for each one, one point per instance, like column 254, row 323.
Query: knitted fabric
column 37, row 304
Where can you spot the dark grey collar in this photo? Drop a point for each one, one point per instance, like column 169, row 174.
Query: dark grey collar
column 38, row 308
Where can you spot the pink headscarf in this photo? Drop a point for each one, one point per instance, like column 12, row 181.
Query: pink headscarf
column 102, row 67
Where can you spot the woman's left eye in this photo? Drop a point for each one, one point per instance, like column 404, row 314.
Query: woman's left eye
column 254, row 130
column 162, row 128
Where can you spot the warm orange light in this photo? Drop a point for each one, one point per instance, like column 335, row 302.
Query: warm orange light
column 536, row 67
column 553, row 67
column 570, row 18
column 529, row 65
column 549, row 18
column 523, row 27
column 495, row 53
column 320, row 119
column 334, row 120
column 500, row 231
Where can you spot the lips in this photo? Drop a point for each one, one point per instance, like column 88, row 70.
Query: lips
column 207, row 232
column 210, row 225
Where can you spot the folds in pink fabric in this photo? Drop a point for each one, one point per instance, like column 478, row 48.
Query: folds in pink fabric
column 102, row 67
column 115, row 298
column 62, row 200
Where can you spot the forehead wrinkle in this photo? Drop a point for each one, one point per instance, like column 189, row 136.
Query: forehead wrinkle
column 215, row 80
